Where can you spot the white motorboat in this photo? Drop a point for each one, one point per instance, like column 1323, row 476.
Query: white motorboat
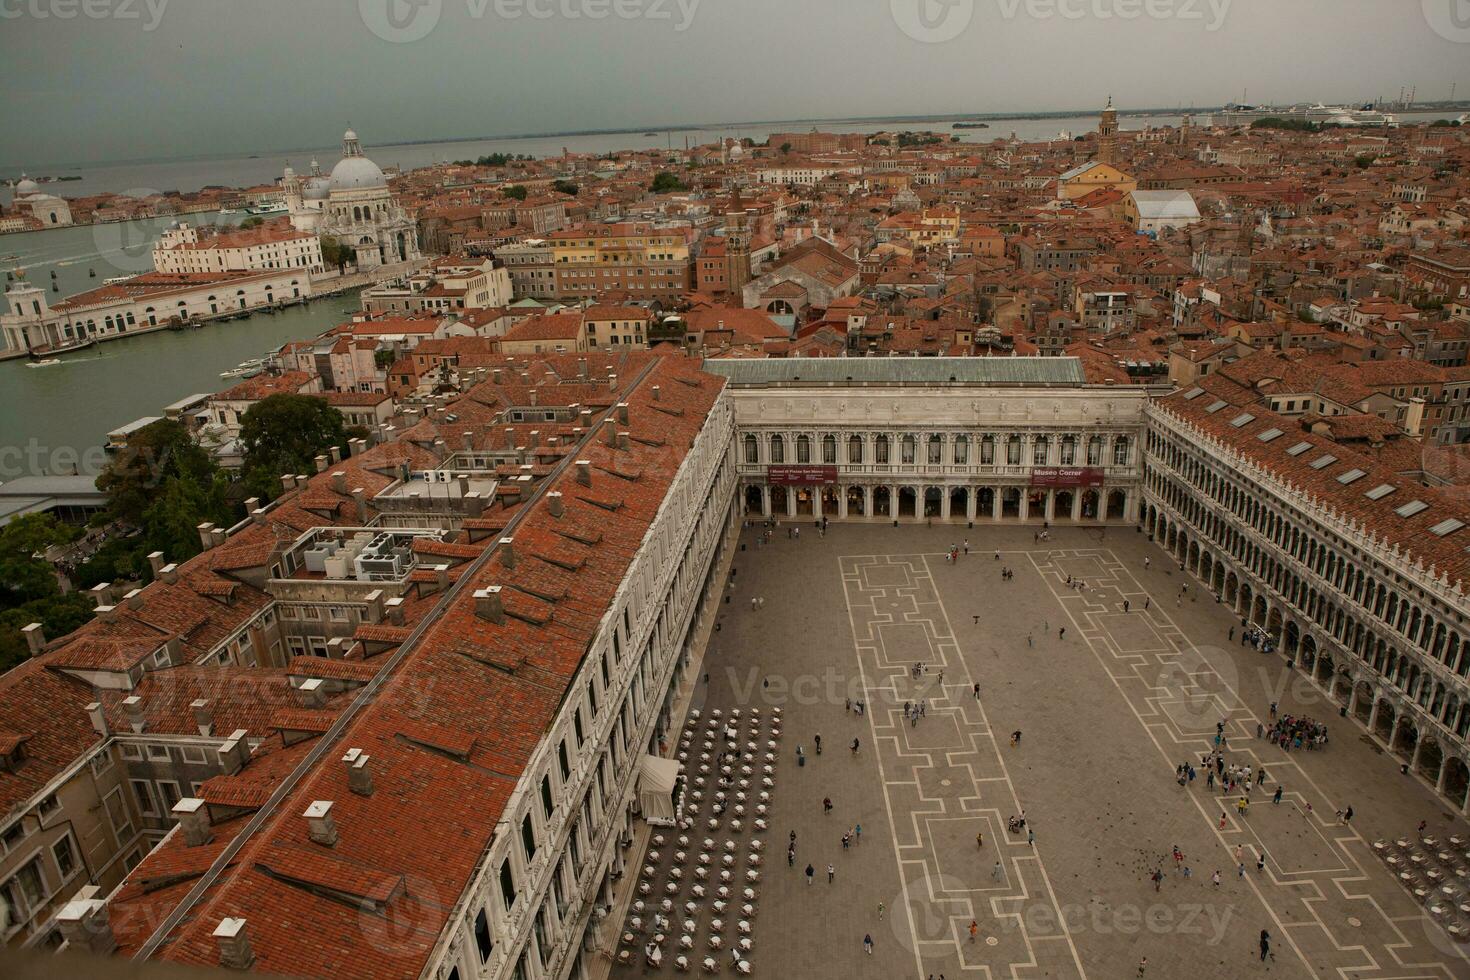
column 44, row 363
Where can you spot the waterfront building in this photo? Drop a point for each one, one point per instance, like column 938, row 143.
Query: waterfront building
column 47, row 210
column 451, row 285
column 262, row 248
column 356, row 207
column 138, row 304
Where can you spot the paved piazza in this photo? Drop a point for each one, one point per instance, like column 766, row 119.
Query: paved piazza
column 1106, row 714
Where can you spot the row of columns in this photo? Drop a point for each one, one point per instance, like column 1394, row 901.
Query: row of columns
column 946, row 502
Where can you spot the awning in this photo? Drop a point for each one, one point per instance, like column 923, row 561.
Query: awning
column 656, row 788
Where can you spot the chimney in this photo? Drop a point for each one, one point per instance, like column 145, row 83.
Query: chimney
column 469, row 440
column 610, row 432
column 107, row 613
column 155, row 562
column 35, row 635
column 488, row 607
column 234, row 945
column 134, row 708
column 336, row 454
column 554, row 503
column 612, row 380
column 474, row 504
column 321, row 828
column 252, row 505
column 441, row 576
column 359, row 776
column 374, row 600
column 203, row 716
column 206, row 532
column 508, row 552
column 657, row 394
column 394, row 607
column 582, row 368
column 288, row 482
column 85, row 925
column 497, row 376
column 359, row 497
column 98, row 718
column 312, row 693
column 169, row 573
column 535, row 437
column 321, row 464
column 622, row 413
column 584, row 472
column 193, row 818
column 339, row 481
column 586, row 418
column 102, row 593
column 624, row 439
column 228, row 755
column 134, row 598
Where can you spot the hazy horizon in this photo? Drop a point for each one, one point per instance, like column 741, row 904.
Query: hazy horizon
column 152, row 79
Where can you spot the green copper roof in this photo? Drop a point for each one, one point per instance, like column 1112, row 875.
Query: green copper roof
column 899, row 370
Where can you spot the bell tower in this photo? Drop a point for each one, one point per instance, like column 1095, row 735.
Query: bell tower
column 737, row 247
column 1107, row 134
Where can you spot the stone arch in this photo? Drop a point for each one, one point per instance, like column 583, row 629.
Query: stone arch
column 1387, row 715
column 1363, row 692
column 1431, row 758
column 1455, row 780
column 1405, row 736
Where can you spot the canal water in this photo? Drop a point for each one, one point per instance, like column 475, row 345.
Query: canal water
column 57, row 417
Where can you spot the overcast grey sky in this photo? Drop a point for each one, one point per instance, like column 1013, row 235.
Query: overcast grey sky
column 152, row 78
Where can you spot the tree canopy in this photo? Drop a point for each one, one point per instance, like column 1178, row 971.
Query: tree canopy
column 665, row 182
column 29, row 589
column 284, row 434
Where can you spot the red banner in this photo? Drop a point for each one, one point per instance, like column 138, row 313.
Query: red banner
column 801, row 476
column 1066, row 477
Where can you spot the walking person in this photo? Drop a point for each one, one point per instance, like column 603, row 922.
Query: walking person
column 995, row 871
column 810, row 871
column 831, row 873
column 1265, row 945
column 974, row 928
column 868, row 944
column 880, row 911
column 980, row 840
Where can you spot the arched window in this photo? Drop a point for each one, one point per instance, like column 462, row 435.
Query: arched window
column 1013, row 451
column 1069, row 450
column 1094, row 451
column 855, row 450
column 752, row 452
column 778, row 449
column 1120, row 451
column 987, row 450
column 936, row 450
column 1040, row 449
column 829, row 449
column 803, row 448
column 908, row 450
column 880, row 450
column 961, row 450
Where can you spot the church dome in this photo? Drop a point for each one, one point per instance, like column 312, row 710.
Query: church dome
column 357, row 173
column 26, row 186
column 317, row 189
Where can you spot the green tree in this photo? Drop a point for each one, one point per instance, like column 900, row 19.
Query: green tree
column 516, row 192
column 334, row 252
column 154, row 454
column 785, row 149
column 284, row 434
column 1365, row 161
column 29, row 589
column 665, row 183
column 565, row 187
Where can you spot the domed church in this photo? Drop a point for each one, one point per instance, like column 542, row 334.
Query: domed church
column 355, row 206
